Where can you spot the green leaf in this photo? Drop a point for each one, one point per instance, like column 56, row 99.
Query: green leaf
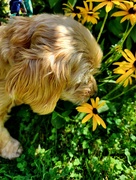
column 72, row 2
column 127, row 153
column 129, row 43
column 85, row 145
column 103, row 108
column 76, row 162
column 111, row 107
column 53, row 3
column 133, row 137
column 133, row 34
column 115, row 27
column 57, row 121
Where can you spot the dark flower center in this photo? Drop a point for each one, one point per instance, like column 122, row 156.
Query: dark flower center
column 90, row 13
column 134, row 64
column 132, row 11
column 95, row 111
column 76, row 10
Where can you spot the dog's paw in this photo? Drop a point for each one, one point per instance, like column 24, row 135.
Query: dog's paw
column 12, row 149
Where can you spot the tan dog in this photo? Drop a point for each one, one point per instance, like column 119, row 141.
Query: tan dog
column 43, row 59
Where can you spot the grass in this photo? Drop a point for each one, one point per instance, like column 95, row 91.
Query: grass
column 69, row 149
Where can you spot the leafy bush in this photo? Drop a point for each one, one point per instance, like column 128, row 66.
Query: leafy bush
column 3, row 13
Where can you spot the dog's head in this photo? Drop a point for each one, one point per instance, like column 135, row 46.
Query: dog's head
column 80, row 57
column 82, row 84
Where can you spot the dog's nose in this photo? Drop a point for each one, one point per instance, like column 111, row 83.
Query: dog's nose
column 92, row 94
column 89, row 93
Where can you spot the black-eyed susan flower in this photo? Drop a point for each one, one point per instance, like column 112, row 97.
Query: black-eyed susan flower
column 92, row 111
column 127, row 68
column 89, row 13
column 128, row 10
column 71, row 10
column 109, row 4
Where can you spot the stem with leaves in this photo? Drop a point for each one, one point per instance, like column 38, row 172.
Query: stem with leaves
column 102, row 27
column 115, row 50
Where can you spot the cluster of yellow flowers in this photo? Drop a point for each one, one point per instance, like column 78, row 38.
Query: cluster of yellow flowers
column 127, row 68
column 88, row 13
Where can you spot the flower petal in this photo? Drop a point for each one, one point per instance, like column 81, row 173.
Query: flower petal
column 130, row 54
column 99, row 6
column 84, row 19
column 109, row 6
column 93, row 103
column 122, row 78
column 97, row 101
column 126, row 57
column 120, row 13
column 101, row 121
column 125, row 18
column 90, row 5
column 83, row 10
column 126, row 82
column 92, row 19
column 101, row 104
column 86, row 6
column 97, row 120
column 116, row 2
column 94, row 124
column 87, row 117
column 95, row 0
column 87, row 105
column 132, row 19
column 123, row 7
column 83, row 109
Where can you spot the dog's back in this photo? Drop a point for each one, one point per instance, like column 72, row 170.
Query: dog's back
column 26, row 38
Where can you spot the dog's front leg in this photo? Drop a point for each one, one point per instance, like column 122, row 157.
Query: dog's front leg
column 9, row 147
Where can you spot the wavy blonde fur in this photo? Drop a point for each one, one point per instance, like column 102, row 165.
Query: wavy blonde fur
column 43, row 59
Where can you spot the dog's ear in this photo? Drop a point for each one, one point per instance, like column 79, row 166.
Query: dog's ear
column 35, row 82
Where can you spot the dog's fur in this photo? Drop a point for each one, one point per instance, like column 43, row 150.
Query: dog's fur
column 43, row 59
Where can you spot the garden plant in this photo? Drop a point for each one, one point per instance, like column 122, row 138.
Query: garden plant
column 96, row 140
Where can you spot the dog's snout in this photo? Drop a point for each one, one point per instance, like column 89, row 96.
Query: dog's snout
column 89, row 92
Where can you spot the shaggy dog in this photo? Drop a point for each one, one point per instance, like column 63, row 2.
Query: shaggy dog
column 43, row 59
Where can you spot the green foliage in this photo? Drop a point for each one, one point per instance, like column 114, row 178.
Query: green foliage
column 3, row 13
column 48, row 6
column 72, row 151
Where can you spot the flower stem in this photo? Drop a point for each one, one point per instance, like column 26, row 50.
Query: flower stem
column 111, row 92
column 115, row 49
column 118, row 86
column 134, row 87
column 126, row 33
column 102, row 27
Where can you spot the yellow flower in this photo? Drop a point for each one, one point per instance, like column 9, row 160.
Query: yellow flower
column 92, row 111
column 71, row 11
column 128, row 11
column 126, row 68
column 89, row 13
column 108, row 3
